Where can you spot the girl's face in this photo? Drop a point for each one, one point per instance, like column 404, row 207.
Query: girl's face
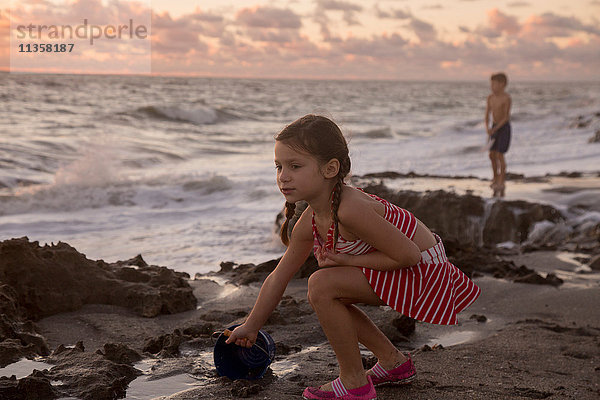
column 299, row 174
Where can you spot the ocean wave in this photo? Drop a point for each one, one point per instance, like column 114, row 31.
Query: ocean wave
column 216, row 183
column 378, row 133
column 198, row 114
column 66, row 196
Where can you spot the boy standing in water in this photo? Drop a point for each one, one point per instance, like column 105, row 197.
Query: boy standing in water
column 498, row 104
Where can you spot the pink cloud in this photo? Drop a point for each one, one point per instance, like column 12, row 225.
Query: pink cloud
column 349, row 9
column 33, row 20
column 269, row 17
column 396, row 14
column 4, row 41
column 380, row 46
column 424, row 30
column 274, row 42
column 550, row 24
column 503, row 23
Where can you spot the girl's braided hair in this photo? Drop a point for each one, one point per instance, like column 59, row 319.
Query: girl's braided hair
column 321, row 138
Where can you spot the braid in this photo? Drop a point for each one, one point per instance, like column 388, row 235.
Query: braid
column 335, row 205
column 290, row 210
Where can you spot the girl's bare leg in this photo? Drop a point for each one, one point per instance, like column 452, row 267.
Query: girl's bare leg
column 375, row 340
column 331, row 292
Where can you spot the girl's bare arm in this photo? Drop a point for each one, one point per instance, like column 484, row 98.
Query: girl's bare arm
column 395, row 249
column 375, row 260
column 275, row 284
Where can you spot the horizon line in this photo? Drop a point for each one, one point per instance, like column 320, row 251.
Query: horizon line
column 274, row 78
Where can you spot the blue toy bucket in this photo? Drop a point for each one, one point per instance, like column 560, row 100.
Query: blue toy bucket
column 236, row 362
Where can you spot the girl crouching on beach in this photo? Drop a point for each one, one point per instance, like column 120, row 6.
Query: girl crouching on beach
column 369, row 251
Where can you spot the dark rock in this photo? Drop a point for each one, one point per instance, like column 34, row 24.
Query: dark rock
column 129, row 274
column 9, row 306
column 227, row 266
column 478, row 318
column 393, row 334
column 595, row 263
column 8, row 328
column 409, row 175
column 12, row 350
column 138, row 261
column 471, row 259
column 90, row 376
column 243, row 389
column 309, row 266
column 537, row 279
column 282, row 349
column 120, row 354
column 552, row 279
column 369, row 361
column 460, row 217
column 59, row 349
column 425, row 348
column 405, row 325
column 165, row 346
column 37, row 281
column 280, row 218
column 246, row 274
column 512, row 220
column 595, row 138
column 511, row 176
column 580, row 122
column 567, row 174
column 8, row 388
column 38, row 341
column 448, row 214
column 201, row 329
column 79, row 347
column 37, row 386
column 39, row 276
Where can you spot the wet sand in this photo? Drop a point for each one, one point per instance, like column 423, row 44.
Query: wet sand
column 538, row 341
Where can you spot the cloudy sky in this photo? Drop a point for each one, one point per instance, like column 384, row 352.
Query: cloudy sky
column 342, row 39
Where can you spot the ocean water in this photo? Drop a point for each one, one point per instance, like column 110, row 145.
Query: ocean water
column 181, row 169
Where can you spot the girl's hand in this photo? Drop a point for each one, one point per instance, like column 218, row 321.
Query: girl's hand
column 327, row 258
column 243, row 336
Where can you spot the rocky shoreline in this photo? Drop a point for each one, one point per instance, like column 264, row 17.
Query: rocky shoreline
column 102, row 328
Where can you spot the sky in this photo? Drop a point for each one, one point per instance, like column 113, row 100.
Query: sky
column 321, row 39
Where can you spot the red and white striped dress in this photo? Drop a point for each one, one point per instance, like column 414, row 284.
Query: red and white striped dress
column 434, row 290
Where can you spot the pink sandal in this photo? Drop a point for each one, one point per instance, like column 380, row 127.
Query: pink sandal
column 366, row 392
column 400, row 375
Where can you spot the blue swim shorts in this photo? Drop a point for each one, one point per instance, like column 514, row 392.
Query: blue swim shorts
column 501, row 138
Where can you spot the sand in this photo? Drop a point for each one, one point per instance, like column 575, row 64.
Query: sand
column 538, row 341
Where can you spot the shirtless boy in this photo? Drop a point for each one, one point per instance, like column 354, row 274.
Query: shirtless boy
column 498, row 104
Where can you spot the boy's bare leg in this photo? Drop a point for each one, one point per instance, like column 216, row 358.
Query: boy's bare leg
column 330, row 293
column 494, row 160
column 502, row 174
